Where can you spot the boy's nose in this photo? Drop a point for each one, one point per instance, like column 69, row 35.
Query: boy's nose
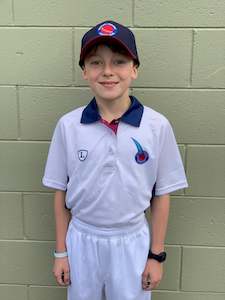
column 108, row 69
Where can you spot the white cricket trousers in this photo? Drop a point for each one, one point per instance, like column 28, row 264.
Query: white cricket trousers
column 107, row 263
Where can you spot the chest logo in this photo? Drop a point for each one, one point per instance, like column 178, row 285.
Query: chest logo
column 82, row 154
column 141, row 156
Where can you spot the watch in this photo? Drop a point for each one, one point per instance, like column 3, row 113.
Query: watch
column 161, row 257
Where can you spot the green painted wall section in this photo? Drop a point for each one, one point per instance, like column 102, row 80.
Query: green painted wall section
column 182, row 75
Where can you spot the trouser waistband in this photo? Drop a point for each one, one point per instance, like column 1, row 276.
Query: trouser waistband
column 108, row 231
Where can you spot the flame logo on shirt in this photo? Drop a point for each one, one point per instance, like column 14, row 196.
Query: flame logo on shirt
column 141, row 156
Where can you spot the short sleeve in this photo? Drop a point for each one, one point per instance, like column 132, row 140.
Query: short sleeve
column 55, row 175
column 170, row 172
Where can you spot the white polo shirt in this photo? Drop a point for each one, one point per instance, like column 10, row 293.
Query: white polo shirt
column 108, row 177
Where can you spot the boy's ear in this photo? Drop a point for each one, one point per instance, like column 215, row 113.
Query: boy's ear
column 135, row 71
column 84, row 73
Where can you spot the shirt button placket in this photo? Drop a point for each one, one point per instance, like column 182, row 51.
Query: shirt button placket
column 112, row 151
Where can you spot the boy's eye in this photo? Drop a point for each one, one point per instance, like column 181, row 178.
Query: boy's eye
column 95, row 62
column 120, row 61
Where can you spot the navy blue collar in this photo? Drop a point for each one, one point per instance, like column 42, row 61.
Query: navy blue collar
column 132, row 116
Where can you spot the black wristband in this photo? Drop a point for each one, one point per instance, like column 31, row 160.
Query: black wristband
column 161, row 257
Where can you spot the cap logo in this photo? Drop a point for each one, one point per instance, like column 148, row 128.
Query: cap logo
column 107, row 29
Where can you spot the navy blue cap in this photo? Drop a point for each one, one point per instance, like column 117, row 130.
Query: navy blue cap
column 113, row 31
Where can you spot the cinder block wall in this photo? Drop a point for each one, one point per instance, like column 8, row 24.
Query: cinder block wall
column 182, row 75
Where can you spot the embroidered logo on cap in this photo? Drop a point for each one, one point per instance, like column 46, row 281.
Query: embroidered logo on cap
column 82, row 154
column 107, row 29
column 141, row 156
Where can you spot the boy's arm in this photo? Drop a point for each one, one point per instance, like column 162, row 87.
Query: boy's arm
column 158, row 224
column 62, row 217
column 159, row 220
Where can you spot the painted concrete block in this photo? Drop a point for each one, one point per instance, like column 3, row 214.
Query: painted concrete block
column 47, row 293
column 205, row 171
column 39, row 216
column 165, row 57
column 6, row 15
column 209, row 58
column 71, row 13
column 41, row 56
column 103, row 10
column 25, row 262
column 22, row 165
column 8, row 113
column 203, row 269
column 11, row 216
column 13, row 292
column 179, row 13
column 168, row 295
column 196, row 221
column 40, row 108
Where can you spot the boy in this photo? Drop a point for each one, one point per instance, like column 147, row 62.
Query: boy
column 107, row 161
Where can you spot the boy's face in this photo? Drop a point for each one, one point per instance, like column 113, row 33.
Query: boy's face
column 109, row 74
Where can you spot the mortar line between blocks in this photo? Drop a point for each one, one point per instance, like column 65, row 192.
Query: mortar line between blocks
column 52, row 286
column 18, row 114
column 52, row 193
column 177, row 196
column 133, row 7
column 185, row 162
column 181, row 269
column 85, row 87
column 39, row 141
column 23, row 216
column 137, row 26
column 192, row 57
column 73, row 55
column 52, row 241
column 13, row 11
column 187, row 292
column 28, row 291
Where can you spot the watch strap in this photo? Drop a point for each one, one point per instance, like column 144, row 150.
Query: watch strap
column 161, row 257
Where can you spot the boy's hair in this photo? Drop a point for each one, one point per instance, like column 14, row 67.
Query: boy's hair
column 113, row 46
column 110, row 33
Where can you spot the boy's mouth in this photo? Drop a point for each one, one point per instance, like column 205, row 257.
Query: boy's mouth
column 108, row 83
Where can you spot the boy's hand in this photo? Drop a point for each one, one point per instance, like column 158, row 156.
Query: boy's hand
column 61, row 271
column 153, row 272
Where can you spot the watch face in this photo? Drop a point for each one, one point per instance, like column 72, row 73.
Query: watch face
column 162, row 256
